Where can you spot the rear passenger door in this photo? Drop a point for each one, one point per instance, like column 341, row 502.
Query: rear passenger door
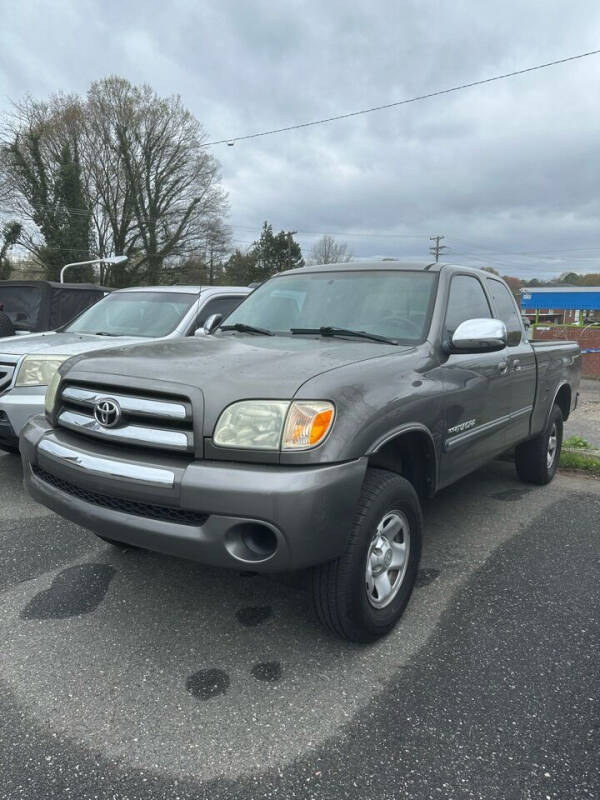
column 476, row 388
column 520, row 359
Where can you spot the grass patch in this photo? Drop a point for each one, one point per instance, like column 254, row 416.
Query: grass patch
column 580, row 461
column 577, row 442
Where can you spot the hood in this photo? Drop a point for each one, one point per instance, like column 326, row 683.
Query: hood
column 61, row 344
column 231, row 367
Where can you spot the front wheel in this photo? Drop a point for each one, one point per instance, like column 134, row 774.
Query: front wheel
column 537, row 460
column 362, row 594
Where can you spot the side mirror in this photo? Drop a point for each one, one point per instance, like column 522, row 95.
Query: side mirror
column 479, row 336
column 209, row 326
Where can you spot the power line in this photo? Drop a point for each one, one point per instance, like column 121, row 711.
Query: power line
column 416, row 99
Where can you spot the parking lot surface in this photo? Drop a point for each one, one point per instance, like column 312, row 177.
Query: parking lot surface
column 126, row 674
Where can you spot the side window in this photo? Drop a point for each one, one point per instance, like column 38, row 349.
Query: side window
column 466, row 300
column 506, row 310
column 217, row 305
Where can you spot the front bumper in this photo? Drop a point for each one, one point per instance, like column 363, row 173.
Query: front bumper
column 17, row 405
column 207, row 511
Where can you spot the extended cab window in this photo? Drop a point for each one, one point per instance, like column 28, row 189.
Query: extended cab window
column 466, row 300
column 506, row 310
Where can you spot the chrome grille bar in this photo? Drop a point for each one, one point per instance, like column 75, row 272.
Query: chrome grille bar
column 149, row 476
column 140, row 406
column 127, row 434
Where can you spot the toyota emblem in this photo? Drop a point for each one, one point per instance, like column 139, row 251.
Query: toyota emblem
column 107, row 413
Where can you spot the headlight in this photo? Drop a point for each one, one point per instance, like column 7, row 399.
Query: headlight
column 256, row 424
column 274, row 424
column 38, row 370
column 51, row 392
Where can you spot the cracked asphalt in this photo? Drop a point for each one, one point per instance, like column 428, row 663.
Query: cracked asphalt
column 125, row 674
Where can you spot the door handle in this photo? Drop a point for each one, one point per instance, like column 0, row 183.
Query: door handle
column 502, row 367
column 517, row 365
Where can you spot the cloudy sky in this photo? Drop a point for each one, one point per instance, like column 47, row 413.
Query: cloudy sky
column 509, row 172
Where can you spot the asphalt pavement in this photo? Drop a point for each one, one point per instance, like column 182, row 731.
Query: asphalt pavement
column 125, row 674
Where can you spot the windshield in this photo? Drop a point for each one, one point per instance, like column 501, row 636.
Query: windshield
column 391, row 303
column 21, row 304
column 149, row 314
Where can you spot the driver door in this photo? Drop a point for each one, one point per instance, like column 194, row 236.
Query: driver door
column 476, row 389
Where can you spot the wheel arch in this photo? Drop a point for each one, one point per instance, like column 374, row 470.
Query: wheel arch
column 409, row 451
column 562, row 399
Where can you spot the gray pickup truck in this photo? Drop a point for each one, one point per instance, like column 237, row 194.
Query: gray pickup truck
column 306, row 428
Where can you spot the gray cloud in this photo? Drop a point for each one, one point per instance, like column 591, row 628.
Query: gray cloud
column 508, row 171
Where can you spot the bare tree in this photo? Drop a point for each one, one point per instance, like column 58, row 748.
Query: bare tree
column 121, row 172
column 110, row 191
column 173, row 180
column 328, row 251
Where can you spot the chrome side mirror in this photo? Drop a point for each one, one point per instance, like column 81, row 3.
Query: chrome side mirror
column 210, row 325
column 479, row 336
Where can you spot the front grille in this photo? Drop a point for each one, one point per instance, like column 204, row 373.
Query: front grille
column 134, row 507
column 6, row 373
column 156, row 421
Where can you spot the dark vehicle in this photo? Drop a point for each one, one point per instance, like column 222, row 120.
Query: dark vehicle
column 36, row 306
column 306, row 429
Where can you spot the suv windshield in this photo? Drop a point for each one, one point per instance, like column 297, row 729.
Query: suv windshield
column 151, row 314
column 390, row 303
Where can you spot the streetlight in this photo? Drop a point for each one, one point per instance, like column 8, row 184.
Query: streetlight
column 109, row 260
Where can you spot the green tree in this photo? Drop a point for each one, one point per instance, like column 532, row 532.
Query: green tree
column 42, row 166
column 242, row 269
column 276, row 252
column 10, row 236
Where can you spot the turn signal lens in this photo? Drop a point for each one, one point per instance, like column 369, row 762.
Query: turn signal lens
column 308, row 423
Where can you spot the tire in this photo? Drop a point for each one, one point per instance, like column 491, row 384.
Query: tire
column 6, row 326
column 537, row 460
column 343, row 599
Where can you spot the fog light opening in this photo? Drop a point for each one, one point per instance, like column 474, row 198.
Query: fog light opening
column 251, row 541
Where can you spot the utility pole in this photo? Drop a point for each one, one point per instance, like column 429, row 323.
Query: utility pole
column 437, row 248
column 289, row 235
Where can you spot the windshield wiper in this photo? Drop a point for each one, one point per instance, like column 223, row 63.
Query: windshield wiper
column 327, row 330
column 241, row 327
column 105, row 333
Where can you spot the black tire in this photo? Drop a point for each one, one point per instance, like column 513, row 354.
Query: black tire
column 339, row 588
column 532, row 458
column 6, row 326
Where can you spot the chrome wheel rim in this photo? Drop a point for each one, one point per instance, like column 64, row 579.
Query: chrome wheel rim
column 552, row 447
column 387, row 559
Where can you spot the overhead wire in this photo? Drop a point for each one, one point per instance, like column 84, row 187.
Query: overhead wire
column 437, row 93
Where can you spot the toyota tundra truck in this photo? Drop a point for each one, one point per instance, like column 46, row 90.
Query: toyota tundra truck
column 306, row 428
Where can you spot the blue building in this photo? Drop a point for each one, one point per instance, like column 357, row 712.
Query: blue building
column 561, row 304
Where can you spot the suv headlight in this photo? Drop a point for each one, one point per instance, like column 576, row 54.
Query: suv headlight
column 38, row 370
column 274, row 424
